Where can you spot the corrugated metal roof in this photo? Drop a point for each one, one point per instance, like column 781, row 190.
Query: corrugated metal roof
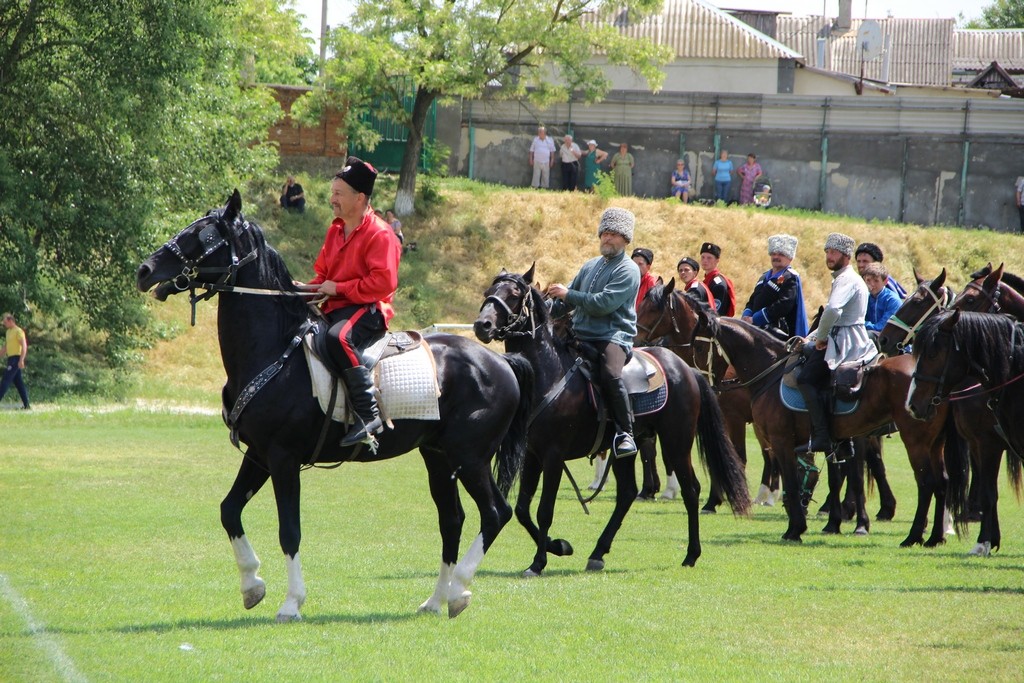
column 921, row 51
column 696, row 29
column 975, row 49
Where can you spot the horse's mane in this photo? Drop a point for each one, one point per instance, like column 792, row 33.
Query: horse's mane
column 763, row 338
column 983, row 337
column 247, row 236
column 1016, row 282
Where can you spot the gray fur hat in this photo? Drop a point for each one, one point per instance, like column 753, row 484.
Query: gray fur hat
column 618, row 221
column 783, row 244
column 840, row 242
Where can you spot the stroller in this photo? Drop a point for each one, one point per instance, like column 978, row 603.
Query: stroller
column 762, row 191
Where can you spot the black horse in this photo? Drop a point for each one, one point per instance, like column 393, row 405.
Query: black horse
column 485, row 401
column 566, row 426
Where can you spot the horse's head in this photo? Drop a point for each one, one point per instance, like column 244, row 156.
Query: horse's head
column 981, row 294
column 940, row 365
column 899, row 331
column 203, row 253
column 509, row 308
column 664, row 313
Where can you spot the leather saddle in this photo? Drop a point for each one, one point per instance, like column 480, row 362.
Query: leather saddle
column 848, row 378
column 386, row 345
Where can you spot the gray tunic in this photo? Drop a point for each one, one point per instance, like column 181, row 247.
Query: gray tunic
column 843, row 320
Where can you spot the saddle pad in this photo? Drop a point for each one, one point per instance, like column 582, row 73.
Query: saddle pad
column 650, row 401
column 407, row 384
column 794, row 400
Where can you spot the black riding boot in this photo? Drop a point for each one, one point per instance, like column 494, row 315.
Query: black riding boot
column 818, row 410
column 364, row 405
column 622, row 415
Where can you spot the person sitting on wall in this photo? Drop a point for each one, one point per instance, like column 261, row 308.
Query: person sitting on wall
column 292, row 196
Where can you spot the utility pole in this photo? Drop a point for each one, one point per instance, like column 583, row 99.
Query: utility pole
column 323, row 36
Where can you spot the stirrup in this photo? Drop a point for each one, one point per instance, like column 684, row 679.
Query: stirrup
column 364, row 433
column 623, row 445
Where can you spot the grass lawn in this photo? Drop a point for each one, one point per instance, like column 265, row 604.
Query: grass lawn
column 114, row 567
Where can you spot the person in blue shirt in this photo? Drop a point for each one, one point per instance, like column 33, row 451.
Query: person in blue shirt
column 869, row 252
column 882, row 302
column 723, row 170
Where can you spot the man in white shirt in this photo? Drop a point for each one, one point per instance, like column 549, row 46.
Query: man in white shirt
column 1020, row 200
column 570, row 153
column 542, row 158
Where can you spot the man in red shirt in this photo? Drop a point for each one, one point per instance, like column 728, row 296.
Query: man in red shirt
column 644, row 258
column 357, row 269
column 724, row 294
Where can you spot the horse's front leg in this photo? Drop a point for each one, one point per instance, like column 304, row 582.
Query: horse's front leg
column 285, row 478
column 248, row 481
column 546, row 514
column 624, row 470
column 450, row 518
column 836, row 477
column 792, row 487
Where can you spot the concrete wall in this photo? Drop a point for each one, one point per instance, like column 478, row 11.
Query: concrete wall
column 899, row 175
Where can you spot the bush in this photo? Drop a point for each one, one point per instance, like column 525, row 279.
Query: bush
column 605, row 185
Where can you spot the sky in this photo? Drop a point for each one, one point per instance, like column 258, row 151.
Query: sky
column 338, row 11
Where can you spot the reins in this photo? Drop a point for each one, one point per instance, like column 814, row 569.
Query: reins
column 910, row 331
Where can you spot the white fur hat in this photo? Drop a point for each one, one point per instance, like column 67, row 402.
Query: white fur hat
column 618, row 221
column 840, row 242
column 783, row 244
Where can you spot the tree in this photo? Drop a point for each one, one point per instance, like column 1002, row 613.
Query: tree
column 1001, row 14
column 538, row 50
column 120, row 119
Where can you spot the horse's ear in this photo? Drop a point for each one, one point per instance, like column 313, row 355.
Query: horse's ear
column 949, row 323
column 528, row 275
column 234, row 206
column 939, row 281
column 659, row 281
column 670, row 287
column 502, row 272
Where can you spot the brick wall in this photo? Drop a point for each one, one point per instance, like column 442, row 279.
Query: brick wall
column 303, row 141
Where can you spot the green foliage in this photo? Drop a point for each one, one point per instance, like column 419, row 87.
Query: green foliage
column 1001, row 14
column 604, row 185
column 120, row 119
column 529, row 50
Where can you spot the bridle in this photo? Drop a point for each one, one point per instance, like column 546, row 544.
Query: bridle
column 668, row 309
column 939, row 301
column 992, row 298
column 516, row 323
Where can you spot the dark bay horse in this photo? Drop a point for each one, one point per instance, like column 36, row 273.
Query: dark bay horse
column 956, row 348
column 987, row 291
column 754, row 352
column 485, row 401
column 656, row 326
column 565, row 426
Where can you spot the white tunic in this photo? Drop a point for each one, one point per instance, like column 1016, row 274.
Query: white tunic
column 842, row 321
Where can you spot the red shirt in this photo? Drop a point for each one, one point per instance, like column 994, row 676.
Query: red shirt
column 364, row 266
column 728, row 308
column 646, row 282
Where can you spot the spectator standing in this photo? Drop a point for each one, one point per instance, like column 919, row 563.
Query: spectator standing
column 869, row 252
column 723, row 169
column 882, row 301
column 644, row 259
column 622, row 166
column 777, row 302
column 724, row 301
column 292, row 196
column 17, row 350
column 570, row 154
column 1020, row 200
column 592, row 160
column 542, row 158
column 749, row 172
column 680, row 183
column 688, row 268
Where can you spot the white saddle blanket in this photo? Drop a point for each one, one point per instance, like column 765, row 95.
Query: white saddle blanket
column 406, row 385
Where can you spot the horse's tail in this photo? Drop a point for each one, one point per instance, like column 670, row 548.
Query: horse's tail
column 958, row 472
column 1013, row 474
column 717, row 452
column 512, row 451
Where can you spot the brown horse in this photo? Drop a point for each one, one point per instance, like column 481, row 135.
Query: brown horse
column 985, row 293
column 754, row 353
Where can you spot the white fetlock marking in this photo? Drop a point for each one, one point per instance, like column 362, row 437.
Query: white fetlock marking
column 981, row 549
column 774, row 497
column 436, row 602
column 671, row 487
column 464, row 572
column 762, row 495
column 248, row 563
column 948, row 518
column 296, row 591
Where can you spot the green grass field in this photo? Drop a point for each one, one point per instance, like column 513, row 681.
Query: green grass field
column 114, row 567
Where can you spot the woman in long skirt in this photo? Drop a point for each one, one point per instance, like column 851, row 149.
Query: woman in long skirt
column 622, row 166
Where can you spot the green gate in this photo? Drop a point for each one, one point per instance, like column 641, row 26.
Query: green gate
column 388, row 154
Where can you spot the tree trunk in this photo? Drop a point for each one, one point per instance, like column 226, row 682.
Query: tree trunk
column 404, row 199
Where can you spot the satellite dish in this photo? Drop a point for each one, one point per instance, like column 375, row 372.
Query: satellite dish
column 869, row 40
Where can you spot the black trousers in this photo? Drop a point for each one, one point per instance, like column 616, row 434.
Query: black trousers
column 815, row 371
column 570, row 175
column 352, row 329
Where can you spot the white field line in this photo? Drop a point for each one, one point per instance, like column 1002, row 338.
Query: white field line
column 43, row 640
column 139, row 405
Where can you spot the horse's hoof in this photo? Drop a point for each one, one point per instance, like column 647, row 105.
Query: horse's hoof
column 429, row 607
column 932, row 542
column 595, row 565
column 885, row 515
column 910, row 542
column 560, row 547
column 456, row 606
column 792, row 539
column 690, row 561
column 283, row 618
column 531, row 573
column 861, row 531
column 981, row 550
column 253, row 596
column 830, row 530
column 708, row 511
